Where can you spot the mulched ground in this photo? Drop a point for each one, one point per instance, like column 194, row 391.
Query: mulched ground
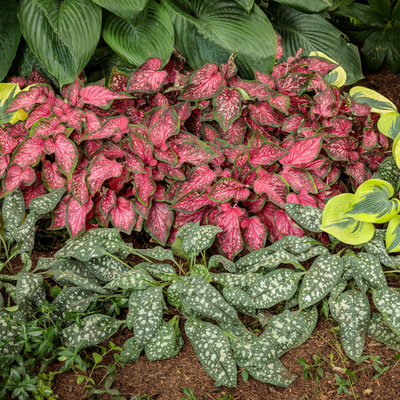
column 165, row 379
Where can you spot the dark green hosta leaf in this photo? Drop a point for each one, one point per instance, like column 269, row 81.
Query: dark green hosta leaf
column 314, row 33
column 165, row 272
column 25, row 234
column 130, row 351
column 197, row 238
column 381, row 332
column 239, row 299
column 133, row 11
column 307, row 217
column 202, row 271
column 246, row 4
column 69, row 277
column 206, row 30
column 309, row 6
column 390, row 172
column 46, row 203
column 74, row 299
column 351, row 310
column 157, row 253
column 162, row 346
column 202, row 298
column 106, row 268
column 213, row 349
column 217, row 259
column 12, row 212
column 276, row 286
column 377, row 248
column 315, row 251
column 134, row 279
column 369, row 267
column 387, row 301
column 320, row 279
column 283, row 333
column 154, row 37
column 10, row 34
column 54, row 31
column 95, row 329
column 240, row 281
column 11, row 349
column 148, row 315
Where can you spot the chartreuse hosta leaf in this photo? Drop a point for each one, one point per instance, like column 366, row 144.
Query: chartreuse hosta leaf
column 351, row 310
column 130, row 351
column 336, row 77
column 69, row 277
column 371, row 202
column 390, row 172
column 378, row 103
column 376, row 246
column 133, row 279
column 240, row 281
column 283, row 333
column 389, row 124
column 46, row 203
column 7, row 92
column 148, row 315
column 200, row 297
column 106, row 268
column 197, row 238
column 276, row 286
column 380, row 331
column 8, row 331
column 95, row 329
column 162, row 345
column 216, row 259
column 239, row 299
column 54, row 32
column 393, row 235
column 13, row 211
column 341, row 226
column 217, row 29
column 308, row 217
column 387, row 301
column 320, row 279
column 213, row 349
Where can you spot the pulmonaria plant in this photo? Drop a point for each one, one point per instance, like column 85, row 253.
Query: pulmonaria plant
column 162, row 148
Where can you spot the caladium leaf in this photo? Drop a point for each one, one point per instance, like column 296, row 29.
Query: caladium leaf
column 147, row 78
column 381, row 332
column 94, row 329
column 298, row 179
column 28, row 153
column 262, row 114
column 272, row 185
column 255, row 89
column 319, row 280
column 123, row 215
column 75, row 216
column 199, row 179
column 325, row 104
column 145, row 186
column 293, row 83
column 213, row 349
column 285, row 225
column 66, row 153
column 4, row 162
column 52, row 177
column 204, row 83
column 342, row 149
column 308, row 217
column 280, row 102
column 167, row 126
column 101, row 169
column 113, row 126
column 100, row 96
column 26, row 100
column 235, row 134
column 142, row 148
column 303, row 151
column 387, row 301
column 58, row 217
column 226, row 189
column 267, row 154
column 45, row 204
column 159, row 222
column 352, row 311
column 46, row 127
column 15, row 177
column 254, row 233
column 227, row 106
column 192, row 151
column 274, row 287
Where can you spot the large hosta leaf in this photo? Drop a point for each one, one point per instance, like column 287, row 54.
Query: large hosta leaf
column 309, row 6
column 62, row 35
column 134, row 11
column 154, row 37
column 10, row 33
column 315, row 33
column 212, row 30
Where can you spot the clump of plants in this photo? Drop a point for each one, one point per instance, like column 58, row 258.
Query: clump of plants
column 164, row 147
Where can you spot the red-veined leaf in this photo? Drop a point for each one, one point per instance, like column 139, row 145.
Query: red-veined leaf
column 139, row 224
column 280, row 102
column 71, row 116
column 266, row 79
column 147, row 78
column 167, row 126
column 226, row 189
column 15, row 177
column 266, row 154
column 7, row 142
column 325, row 104
column 272, row 185
column 141, row 209
column 263, row 114
column 183, row 110
column 100, row 169
column 370, row 139
column 75, row 216
column 267, row 217
column 168, row 156
column 159, row 222
column 360, row 110
column 142, row 148
column 229, row 68
column 254, row 233
column 4, row 162
column 293, row 123
column 110, row 150
column 357, row 171
column 52, row 177
column 343, row 149
column 192, row 202
column 26, row 100
column 73, row 93
column 79, row 187
column 118, row 80
column 302, row 198
column 303, row 151
column 107, row 203
column 123, row 215
column 208, row 133
column 285, row 225
column 298, row 178
column 145, row 186
column 192, row 151
column 50, row 126
column 227, row 106
column 42, row 111
column 33, row 191
column 110, row 128
column 293, row 84
column 92, row 122
column 199, row 179
column 135, row 165
column 340, row 126
column 254, row 89
column 29, row 152
column 235, row 134
column 58, row 218
column 171, row 172
column 100, row 96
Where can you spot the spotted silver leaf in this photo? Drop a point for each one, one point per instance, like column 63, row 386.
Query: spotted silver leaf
column 133, row 307
column 216, row 259
column 390, row 172
column 338, row 289
column 106, row 268
column 264, row 316
column 294, row 244
column 157, row 253
column 130, row 351
column 242, row 281
column 27, row 285
column 164, row 272
column 387, row 301
column 25, row 234
column 46, row 203
column 173, row 297
column 315, row 251
column 74, row 299
column 239, row 300
column 133, row 279
column 8, row 331
column 380, row 331
column 308, row 217
column 13, row 211
column 202, row 271
column 162, row 346
column 70, row 278
column 377, row 248
column 75, row 266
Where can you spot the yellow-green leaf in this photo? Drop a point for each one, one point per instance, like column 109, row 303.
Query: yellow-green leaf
column 6, row 91
column 389, row 124
column 338, row 76
column 371, row 202
column 393, row 235
column 378, row 103
column 342, row 227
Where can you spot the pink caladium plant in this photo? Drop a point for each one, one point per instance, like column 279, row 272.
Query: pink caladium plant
column 164, row 147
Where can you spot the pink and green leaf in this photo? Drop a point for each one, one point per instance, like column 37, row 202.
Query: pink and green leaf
column 147, row 78
column 145, row 186
column 286, row 226
column 16, row 177
column 123, row 215
column 262, row 114
column 273, row 186
column 227, row 106
column 303, row 151
column 100, row 96
column 28, row 153
column 298, row 178
column 267, row 154
column 75, row 216
column 100, row 169
column 159, row 222
column 254, row 233
column 226, row 189
column 168, row 125
column 58, row 217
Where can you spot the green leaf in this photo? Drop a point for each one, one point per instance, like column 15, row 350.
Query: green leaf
column 69, row 277
column 309, row 6
column 25, row 234
column 134, row 279
column 308, row 217
column 246, row 4
column 154, row 37
column 239, row 300
column 157, row 253
column 274, row 287
column 12, row 212
column 148, row 315
column 381, row 332
column 389, row 124
column 315, row 251
column 216, row 259
column 378, row 103
column 12, row 348
column 130, row 351
column 197, row 238
column 240, row 281
column 165, row 272
column 106, row 268
column 210, row 31
column 377, row 248
column 351, row 310
column 390, row 172
column 213, row 349
column 74, row 299
column 202, row 298
column 371, row 202
column 46, row 203
column 54, row 31
column 320, row 279
column 176, row 249
column 133, row 11
column 97, row 358
column 174, row 322
column 387, row 301
column 95, row 329
column 10, row 34
column 202, row 271
column 315, row 33
column 341, row 226
column 162, row 346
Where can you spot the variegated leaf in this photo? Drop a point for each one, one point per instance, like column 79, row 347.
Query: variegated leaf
column 25, row 234
column 162, row 346
column 13, row 211
column 387, row 301
column 69, row 277
column 46, row 203
column 133, row 279
column 377, row 248
column 216, row 259
column 239, row 300
column 130, row 351
column 165, row 272
column 315, row 251
column 75, row 266
column 106, row 268
column 307, row 217
column 74, row 299
column 233, row 280
column 202, row 271
column 381, row 332
column 294, row 244
column 157, row 253
column 8, row 332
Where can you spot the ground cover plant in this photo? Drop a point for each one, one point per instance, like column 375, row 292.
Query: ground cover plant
column 163, row 147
